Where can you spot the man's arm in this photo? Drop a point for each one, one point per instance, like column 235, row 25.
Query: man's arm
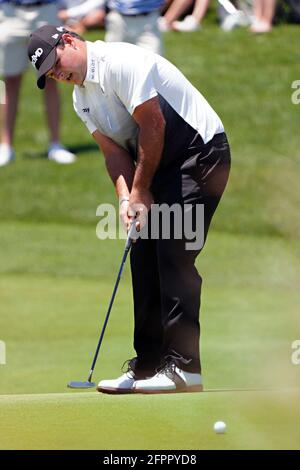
column 118, row 162
column 151, row 124
column 120, row 168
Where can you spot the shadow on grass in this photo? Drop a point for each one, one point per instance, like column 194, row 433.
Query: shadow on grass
column 77, row 149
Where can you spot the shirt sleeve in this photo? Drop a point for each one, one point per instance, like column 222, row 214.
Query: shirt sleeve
column 83, row 113
column 133, row 81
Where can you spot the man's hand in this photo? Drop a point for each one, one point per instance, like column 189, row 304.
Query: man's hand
column 123, row 211
column 139, row 204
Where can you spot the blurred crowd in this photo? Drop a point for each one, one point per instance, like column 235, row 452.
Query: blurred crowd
column 141, row 22
column 180, row 15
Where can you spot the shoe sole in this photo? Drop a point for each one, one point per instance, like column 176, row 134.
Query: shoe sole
column 115, row 391
column 190, row 389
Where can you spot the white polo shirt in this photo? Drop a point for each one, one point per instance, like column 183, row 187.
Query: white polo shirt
column 122, row 76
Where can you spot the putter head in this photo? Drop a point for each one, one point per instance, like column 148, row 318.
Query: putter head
column 81, row 384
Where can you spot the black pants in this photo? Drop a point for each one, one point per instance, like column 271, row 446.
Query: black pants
column 166, row 284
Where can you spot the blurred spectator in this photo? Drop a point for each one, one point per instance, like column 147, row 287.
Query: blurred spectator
column 230, row 16
column 80, row 15
column 135, row 22
column 190, row 22
column 263, row 16
column 234, row 14
column 17, row 20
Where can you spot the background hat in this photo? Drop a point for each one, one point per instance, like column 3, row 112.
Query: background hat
column 42, row 50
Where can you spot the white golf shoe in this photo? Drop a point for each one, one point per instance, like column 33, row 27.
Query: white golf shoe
column 59, row 154
column 260, row 27
column 170, row 380
column 234, row 20
column 162, row 25
column 123, row 384
column 187, row 25
column 7, row 155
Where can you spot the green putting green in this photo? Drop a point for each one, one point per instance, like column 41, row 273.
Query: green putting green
column 255, row 420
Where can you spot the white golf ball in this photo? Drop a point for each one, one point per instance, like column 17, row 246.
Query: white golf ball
column 220, row 427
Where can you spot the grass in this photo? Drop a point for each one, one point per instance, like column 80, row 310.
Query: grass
column 50, row 317
column 255, row 420
column 56, row 277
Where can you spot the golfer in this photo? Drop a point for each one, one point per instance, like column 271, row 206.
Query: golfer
column 163, row 144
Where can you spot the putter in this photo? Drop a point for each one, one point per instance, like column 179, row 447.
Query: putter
column 89, row 383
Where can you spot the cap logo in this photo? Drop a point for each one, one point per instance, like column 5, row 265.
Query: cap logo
column 36, row 55
column 55, row 36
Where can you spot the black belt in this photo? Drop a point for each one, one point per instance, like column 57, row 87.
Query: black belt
column 30, row 5
column 136, row 14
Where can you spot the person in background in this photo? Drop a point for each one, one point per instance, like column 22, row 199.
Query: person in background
column 17, row 20
column 234, row 14
column 231, row 15
column 263, row 11
column 135, row 22
column 191, row 22
column 80, row 15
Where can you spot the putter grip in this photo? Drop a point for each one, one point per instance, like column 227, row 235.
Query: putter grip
column 129, row 236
